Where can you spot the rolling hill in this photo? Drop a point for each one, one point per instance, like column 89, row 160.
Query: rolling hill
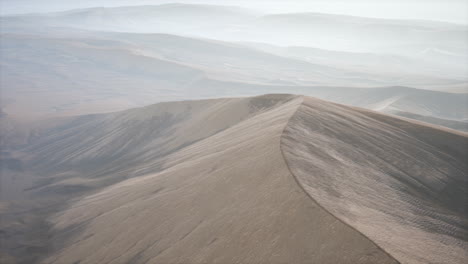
column 275, row 178
column 457, row 125
column 83, row 72
column 430, row 62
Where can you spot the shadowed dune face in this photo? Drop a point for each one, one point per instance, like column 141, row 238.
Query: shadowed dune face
column 86, row 152
column 71, row 157
column 268, row 179
column 401, row 184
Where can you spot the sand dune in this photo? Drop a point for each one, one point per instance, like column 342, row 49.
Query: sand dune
column 229, row 198
column 92, row 171
column 268, row 179
column 401, row 184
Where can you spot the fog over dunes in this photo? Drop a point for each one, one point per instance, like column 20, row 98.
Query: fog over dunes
column 440, row 10
column 83, row 72
column 337, row 32
column 258, row 131
column 106, row 59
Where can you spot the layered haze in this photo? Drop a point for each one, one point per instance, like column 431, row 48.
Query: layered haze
column 453, row 11
column 105, row 59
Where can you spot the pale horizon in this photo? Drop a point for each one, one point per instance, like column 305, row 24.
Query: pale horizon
column 453, row 11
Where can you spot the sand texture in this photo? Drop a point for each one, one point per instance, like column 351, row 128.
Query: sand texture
column 267, row 179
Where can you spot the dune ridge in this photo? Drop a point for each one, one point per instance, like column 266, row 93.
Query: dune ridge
column 249, row 211
column 309, row 152
column 269, row 179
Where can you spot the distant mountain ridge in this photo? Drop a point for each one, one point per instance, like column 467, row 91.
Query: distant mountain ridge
column 233, row 23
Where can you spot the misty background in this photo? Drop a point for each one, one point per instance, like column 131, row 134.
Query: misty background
column 454, row 11
column 61, row 58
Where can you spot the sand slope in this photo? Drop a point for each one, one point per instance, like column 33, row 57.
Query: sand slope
column 268, row 179
column 227, row 199
column 402, row 184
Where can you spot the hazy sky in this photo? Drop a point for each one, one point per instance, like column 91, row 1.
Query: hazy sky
column 443, row 10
